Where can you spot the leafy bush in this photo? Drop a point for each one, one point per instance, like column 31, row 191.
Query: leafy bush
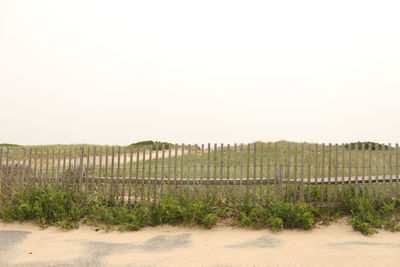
column 45, row 207
column 367, row 215
column 279, row 215
column 359, row 145
column 153, row 144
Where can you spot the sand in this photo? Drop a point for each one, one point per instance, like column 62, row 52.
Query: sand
column 333, row 245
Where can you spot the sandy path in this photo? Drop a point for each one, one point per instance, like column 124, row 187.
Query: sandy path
column 334, row 245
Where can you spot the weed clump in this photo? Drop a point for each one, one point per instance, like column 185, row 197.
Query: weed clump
column 368, row 215
column 279, row 215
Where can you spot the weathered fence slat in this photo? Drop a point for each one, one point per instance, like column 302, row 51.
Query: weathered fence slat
column 162, row 170
column 254, row 171
column 150, row 147
column 390, row 185
column 363, row 169
column 397, row 170
column 261, row 193
column 124, row 176
column 155, row 173
column 130, row 175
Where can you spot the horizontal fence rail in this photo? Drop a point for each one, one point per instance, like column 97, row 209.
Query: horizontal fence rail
column 259, row 172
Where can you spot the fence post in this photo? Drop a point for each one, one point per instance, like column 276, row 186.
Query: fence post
column 81, row 170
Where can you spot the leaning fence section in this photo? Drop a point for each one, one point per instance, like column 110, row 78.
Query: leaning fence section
column 259, row 172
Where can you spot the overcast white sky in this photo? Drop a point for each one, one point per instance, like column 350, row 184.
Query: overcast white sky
column 117, row 72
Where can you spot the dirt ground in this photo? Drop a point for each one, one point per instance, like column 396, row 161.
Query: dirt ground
column 334, row 245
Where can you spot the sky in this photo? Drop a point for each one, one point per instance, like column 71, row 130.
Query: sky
column 119, row 72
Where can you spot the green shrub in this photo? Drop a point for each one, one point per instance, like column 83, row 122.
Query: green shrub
column 279, row 215
column 367, row 145
column 367, row 215
column 153, row 144
column 45, row 207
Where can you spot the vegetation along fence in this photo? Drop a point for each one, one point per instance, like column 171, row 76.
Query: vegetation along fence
column 257, row 172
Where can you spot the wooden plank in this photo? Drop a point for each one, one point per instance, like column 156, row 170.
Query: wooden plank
column 329, row 189
column 155, row 174
column 221, row 169
column 25, row 171
column 52, row 167
column 267, row 193
column 258, row 181
column 182, row 163
column 59, row 159
column 236, row 192
column 175, row 166
column 30, row 173
column 390, row 171
column 376, row 171
column 116, row 188
column 6, row 175
column 162, row 169
column 106, row 166
column 350, row 161
column 41, row 167
column 261, row 193
column 17, row 155
column 317, row 163
column 383, row 188
column 94, row 185
column 335, row 194
column 143, row 193
column 112, row 187
column 86, row 176
column 81, row 169
column 137, row 175
column 309, row 174
column 195, row 166
column 215, row 169
column 1, row 171
column 248, row 171
column 363, row 168
column 47, row 166
column 227, row 169
column 288, row 187
column 130, row 174
column 35, row 164
column 124, row 177
column 369, row 170
column 241, row 173
column 100, row 167
column 397, row 170
column 150, row 147
column 208, row 167
column 275, row 171
column 254, row 171
column 281, row 172
column 294, row 187
column 188, row 164
column 357, row 153
column 202, row 168
column 169, row 168
column 343, row 170
column 302, row 173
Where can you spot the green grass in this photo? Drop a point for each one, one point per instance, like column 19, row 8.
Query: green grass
column 67, row 209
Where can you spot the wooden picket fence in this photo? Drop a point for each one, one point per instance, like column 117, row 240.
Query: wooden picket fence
column 259, row 172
